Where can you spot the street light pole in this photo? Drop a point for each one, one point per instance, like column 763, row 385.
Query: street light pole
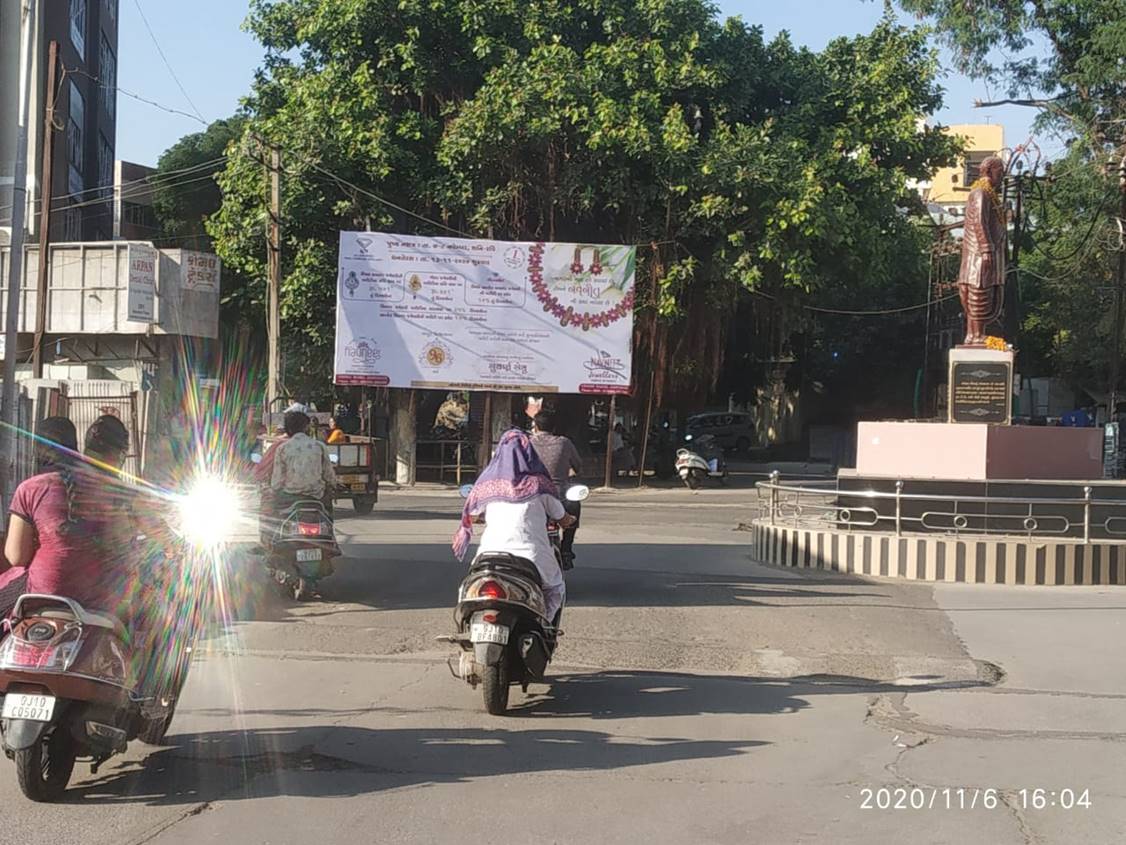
column 1120, row 282
column 9, row 413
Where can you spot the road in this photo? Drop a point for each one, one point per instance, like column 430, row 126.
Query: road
column 696, row 697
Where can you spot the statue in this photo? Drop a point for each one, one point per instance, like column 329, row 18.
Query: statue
column 981, row 280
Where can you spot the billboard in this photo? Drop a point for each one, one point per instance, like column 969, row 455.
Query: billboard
column 452, row 313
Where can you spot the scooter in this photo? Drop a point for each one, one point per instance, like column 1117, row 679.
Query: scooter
column 504, row 635
column 70, row 683
column 694, row 467
column 300, row 551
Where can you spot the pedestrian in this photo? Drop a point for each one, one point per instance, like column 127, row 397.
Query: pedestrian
column 562, row 460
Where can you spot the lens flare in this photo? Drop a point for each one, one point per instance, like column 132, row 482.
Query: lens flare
column 210, row 512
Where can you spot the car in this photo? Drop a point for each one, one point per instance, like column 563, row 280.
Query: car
column 732, row 429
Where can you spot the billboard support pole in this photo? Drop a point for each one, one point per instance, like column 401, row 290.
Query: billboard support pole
column 607, row 483
column 645, row 433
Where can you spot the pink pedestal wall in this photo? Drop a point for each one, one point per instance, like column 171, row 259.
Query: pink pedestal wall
column 976, row 452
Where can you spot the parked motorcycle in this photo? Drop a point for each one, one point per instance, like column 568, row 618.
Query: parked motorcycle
column 706, row 461
column 300, row 550
column 70, row 682
column 502, row 631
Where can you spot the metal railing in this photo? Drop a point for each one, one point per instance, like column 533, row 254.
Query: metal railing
column 825, row 504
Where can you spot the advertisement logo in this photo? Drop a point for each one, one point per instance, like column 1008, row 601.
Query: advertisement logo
column 605, row 367
column 415, row 284
column 365, row 245
column 436, row 356
column 351, row 283
column 362, row 352
column 514, row 258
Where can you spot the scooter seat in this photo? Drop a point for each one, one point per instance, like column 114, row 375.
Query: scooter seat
column 502, row 561
column 57, row 607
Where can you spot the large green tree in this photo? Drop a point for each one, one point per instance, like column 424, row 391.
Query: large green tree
column 739, row 164
column 186, row 193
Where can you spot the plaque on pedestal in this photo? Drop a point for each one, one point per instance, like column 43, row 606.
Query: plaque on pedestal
column 980, row 386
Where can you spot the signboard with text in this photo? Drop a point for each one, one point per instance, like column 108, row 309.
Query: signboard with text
column 141, row 303
column 453, row 313
column 200, row 270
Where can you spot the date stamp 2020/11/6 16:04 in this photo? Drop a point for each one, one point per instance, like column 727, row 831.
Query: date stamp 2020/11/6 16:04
column 972, row 798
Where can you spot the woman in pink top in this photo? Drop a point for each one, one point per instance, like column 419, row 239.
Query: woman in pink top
column 62, row 532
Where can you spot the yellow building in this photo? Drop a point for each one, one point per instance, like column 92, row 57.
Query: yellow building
column 951, row 185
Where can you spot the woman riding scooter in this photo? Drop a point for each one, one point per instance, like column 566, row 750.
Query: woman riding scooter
column 516, row 496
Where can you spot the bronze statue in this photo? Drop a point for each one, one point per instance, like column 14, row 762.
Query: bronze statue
column 981, row 280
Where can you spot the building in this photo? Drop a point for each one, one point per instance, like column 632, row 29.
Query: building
column 128, row 327
column 950, row 186
column 85, row 115
column 133, row 216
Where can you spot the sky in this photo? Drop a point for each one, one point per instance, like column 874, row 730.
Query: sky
column 215, row 62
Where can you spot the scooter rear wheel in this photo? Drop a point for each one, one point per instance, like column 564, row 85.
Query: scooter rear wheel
column 692, row 480
column 44, row 770
column 495, row 685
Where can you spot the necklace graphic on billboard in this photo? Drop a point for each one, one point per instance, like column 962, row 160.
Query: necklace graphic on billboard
column 567, row 314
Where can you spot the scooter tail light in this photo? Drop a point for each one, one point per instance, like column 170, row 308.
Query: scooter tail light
column 492, row 590
column 309, row 529
column 59, row 653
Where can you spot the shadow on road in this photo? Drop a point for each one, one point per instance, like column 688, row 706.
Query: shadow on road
column 425, row 577
column 628, row 695
column 232, row 765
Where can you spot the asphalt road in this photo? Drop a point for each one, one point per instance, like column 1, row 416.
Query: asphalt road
column 696, row 697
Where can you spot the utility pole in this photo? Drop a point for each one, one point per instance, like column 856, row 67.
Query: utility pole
column 273, row 316
column 46, row 188
column 1118, row 292
column 9, row 411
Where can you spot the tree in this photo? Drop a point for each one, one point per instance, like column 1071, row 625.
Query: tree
column 185, row 196
column 739, row 165
column 186, row 193
column 1076, row 74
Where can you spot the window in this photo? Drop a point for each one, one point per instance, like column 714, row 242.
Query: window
column 78, row 26
column 74, row 183
column 136, row 214
column 107, row 70
column 76, row 130
column 973, row 166
column 72, row 224
column 105, row 167
column 110, row 7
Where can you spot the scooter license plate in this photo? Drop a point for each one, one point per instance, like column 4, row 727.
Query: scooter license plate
column 307, row 555
column 484, row 632
column 33, row 708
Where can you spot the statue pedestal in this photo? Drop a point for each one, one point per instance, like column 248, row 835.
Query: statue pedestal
column 980, row 386
column 977, row 451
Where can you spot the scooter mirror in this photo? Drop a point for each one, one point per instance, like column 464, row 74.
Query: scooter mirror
column 464, row 490
column 256, row 458
column 577, row 493
column 688, row 438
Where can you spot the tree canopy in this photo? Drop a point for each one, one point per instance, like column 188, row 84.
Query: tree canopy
column 737, row 163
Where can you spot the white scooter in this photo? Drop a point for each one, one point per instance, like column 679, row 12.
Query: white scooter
column 706, row 461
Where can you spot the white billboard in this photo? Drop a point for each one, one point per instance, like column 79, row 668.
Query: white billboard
column 484, row 315
column 142, row 283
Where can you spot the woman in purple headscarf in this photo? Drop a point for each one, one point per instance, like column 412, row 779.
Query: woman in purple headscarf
column 516, row 497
